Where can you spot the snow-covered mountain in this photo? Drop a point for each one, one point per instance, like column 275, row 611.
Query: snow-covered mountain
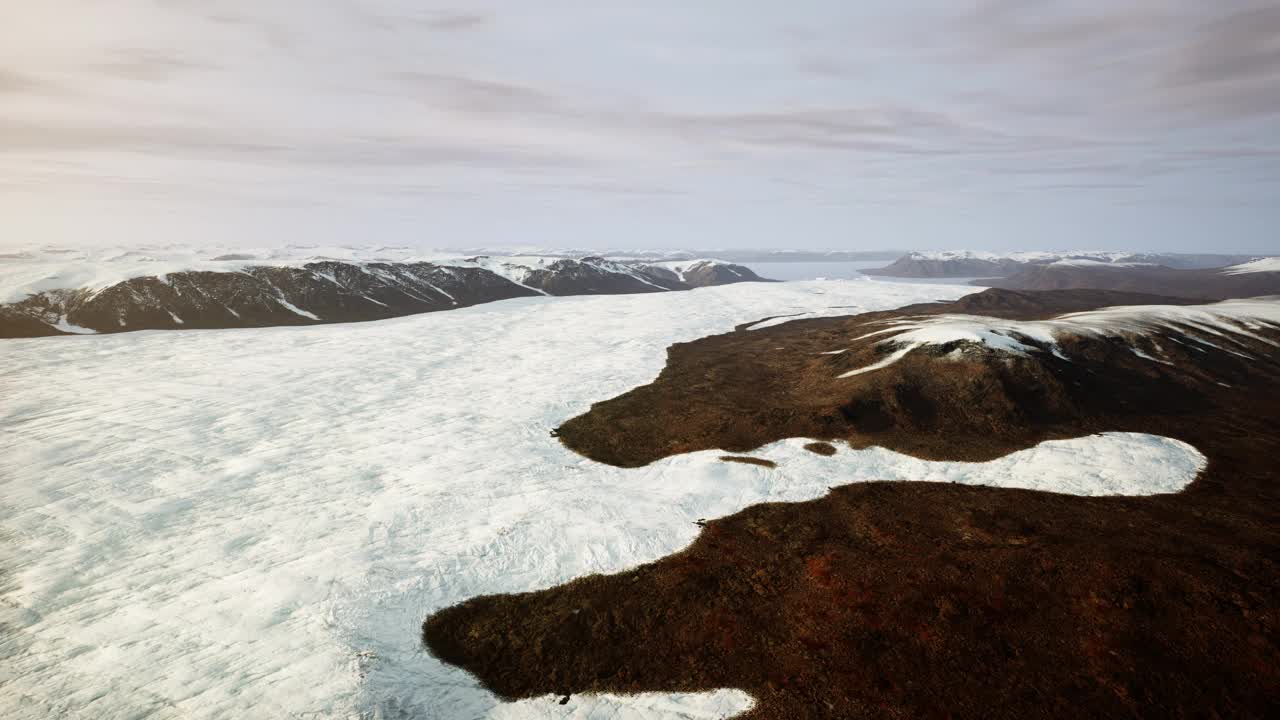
column 136, row 291
column 969, row 263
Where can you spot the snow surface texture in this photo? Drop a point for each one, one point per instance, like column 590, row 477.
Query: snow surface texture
column 1208, row 325
column 1271, row 264
column 254, row 523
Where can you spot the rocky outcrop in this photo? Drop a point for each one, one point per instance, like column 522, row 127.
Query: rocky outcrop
column 332, row 291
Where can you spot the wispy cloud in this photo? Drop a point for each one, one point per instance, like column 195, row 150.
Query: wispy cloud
column 715, row 105
column 458, row 21
column 1177, row 63
column 16, row 82
column 147, row 65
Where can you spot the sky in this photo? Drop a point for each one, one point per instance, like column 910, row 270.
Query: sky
column 937, row 124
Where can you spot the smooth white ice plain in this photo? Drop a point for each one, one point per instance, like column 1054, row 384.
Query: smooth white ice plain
column 254, row 523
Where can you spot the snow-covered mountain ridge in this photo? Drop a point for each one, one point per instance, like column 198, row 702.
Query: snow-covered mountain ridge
column 136, row 291
column 29, row 270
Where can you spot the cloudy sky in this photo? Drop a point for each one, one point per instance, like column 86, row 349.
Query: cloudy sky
column 992, row 124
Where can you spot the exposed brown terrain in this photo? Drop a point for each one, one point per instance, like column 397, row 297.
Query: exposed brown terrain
column 920, row 599
column 821, row 448
column 1209, row 284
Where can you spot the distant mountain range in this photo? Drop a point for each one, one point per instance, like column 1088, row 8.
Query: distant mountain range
column 246, row 294
column 973, row 264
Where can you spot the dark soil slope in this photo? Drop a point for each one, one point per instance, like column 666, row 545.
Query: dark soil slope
column 907, row 600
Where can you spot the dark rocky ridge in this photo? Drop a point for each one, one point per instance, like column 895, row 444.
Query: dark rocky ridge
column 926, row 265
column 331, row 291
column 1207, row 284
column 923, row 599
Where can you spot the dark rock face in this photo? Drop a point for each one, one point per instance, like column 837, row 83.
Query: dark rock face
column 1209, row 284
column 706, row 274
column 327, row 292
column 925, row 265
column 20, row 323
column 924, row 599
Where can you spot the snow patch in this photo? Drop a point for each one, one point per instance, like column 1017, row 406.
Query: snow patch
column 68, row 327
column 1145, row 356
column 295, row 309
column 1270, row 264
column 510, row 268
column 889, row 360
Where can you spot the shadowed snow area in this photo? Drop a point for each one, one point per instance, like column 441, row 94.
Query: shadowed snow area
column 1209, row 325
column 254, row 523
